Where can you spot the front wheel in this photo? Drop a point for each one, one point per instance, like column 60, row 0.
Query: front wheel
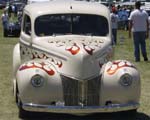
column 22, row 113
column 5, row 33
column 130, row 113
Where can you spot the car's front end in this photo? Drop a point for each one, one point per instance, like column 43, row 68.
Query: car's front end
column 65, row 94
column 75, row 81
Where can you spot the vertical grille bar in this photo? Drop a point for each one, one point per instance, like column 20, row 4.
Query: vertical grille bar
column 70, row 90
column 93, row 90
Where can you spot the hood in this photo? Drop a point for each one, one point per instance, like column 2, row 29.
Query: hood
column 80, row 56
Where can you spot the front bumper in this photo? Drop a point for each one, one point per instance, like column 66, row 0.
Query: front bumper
column 79, row 109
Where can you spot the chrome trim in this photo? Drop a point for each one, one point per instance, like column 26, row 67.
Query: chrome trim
column 79, row 109
column 80, row 79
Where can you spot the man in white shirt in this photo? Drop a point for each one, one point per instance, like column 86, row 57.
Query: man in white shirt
column 138, row 22
column 114, row 22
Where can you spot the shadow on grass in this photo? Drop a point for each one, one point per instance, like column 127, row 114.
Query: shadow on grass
column 96, row 116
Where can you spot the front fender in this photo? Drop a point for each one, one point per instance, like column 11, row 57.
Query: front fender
column 16, row 58
column 112, row 90
column 16, row 64
column 51, row 89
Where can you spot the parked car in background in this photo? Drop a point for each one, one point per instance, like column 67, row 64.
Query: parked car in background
column 62, row 62
column 2, row 4
column 15, row 6
column 18, row 5
column 12, row 29
column 36, row 1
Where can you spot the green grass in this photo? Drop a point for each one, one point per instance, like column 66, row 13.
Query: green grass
column 8, row 108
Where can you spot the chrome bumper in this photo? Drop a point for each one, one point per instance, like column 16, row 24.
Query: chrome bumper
column 79, row 109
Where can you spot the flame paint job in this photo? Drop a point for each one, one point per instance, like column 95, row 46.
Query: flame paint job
column 88, row 45
column 73, row 49
column 116, row 65
column 88, row 49
column 44, row 66
column 40, row 55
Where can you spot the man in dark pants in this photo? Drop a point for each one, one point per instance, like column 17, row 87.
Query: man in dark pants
column 114, row 22
column 138, row 22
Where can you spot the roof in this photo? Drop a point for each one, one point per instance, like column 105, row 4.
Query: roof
column 66, row 6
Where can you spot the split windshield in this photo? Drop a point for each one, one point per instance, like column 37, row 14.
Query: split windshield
column 62, row 24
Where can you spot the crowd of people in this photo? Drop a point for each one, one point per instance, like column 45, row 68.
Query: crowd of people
column 11, row 19
column 119, row 18
column 137, row 22
column 9, row 12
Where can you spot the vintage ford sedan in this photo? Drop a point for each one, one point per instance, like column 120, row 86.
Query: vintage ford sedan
column 63, row 64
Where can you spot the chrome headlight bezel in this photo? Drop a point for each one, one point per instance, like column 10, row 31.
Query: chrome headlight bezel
column 126, row 80
column 37, row 80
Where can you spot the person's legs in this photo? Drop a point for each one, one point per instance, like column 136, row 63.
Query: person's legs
column 143, row 45
column 136, row 46
column 126, row 25
column 114, row 32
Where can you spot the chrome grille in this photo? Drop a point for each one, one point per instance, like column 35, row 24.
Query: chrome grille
column 84, row 92
column 93, row 91
column 70, row 90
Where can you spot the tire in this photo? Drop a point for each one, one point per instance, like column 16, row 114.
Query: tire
column 5, row 33
column 22, row 113
column 130, row 113
column 17, row 33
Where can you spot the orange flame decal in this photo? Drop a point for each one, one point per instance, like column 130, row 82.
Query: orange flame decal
column 116, row 65
column 88, row 49
column 42, row 66
column 73, row 49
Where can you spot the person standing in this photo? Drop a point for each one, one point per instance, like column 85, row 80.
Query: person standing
column 9, row 10
column 5, row 19
column 114, row 22
column 138, row 22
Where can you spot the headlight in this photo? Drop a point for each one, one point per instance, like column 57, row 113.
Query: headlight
column 126, row 80
column 37, row 80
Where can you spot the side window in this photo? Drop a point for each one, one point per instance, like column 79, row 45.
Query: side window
column 27, row 25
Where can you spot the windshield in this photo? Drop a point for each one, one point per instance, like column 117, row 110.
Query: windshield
column 84, row 24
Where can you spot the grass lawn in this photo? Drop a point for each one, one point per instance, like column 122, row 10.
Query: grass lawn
column 8, row 108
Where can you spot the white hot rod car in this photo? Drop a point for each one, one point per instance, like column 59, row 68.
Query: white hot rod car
column 62, row 62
